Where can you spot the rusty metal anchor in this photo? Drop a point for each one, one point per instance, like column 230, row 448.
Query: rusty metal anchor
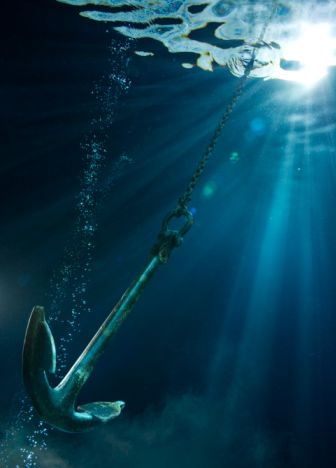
column 57, row 405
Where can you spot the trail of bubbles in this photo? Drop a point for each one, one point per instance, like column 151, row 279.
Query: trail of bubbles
column 71, row 282
column 26, row 437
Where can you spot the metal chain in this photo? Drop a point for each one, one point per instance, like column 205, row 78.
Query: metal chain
column 169, row 238
column 185, row 198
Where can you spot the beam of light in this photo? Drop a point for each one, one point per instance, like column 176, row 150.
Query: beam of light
column 314, row 50
column 252, row 299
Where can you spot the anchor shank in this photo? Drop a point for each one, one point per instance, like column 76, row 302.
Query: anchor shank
column 82, row 368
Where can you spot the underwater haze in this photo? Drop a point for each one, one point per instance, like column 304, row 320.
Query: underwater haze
column 228, row 359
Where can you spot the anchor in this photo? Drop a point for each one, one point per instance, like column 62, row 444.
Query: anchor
column 57, row 405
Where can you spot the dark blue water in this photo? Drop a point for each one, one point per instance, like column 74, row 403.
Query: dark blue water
column 228, row 359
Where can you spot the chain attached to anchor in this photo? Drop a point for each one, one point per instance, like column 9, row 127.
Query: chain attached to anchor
column 168, row 239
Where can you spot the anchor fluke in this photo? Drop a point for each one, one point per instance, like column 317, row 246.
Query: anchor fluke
column 57, row 405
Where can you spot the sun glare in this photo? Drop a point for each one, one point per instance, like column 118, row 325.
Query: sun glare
column 314, row 49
